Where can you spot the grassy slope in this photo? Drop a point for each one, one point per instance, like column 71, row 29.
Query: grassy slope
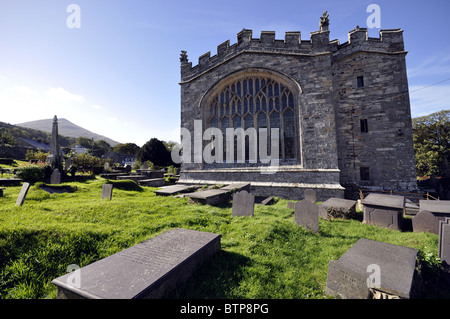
column 267, row 256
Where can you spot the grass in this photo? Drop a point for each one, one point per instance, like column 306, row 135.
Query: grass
column 266, row 256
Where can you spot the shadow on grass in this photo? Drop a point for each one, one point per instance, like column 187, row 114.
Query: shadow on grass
column 126, row 185
column 217, row 278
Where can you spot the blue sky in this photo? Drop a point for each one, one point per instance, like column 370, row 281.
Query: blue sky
column 118, row 74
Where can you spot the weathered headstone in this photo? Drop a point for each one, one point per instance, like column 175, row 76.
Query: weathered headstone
column 291, row 205
column 337, row 208
column 425, row 221
column 106, row 167
column 243, row 204
column 372, row 265
column 55, row 178
column 147, row 270
column 310, row 195
column 22, row 194
column 307, row 215
column 444, row 240
column 384, row 210
column 128, row 168
column 107, row 191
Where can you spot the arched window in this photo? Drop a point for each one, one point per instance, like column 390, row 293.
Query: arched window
column 256, row 101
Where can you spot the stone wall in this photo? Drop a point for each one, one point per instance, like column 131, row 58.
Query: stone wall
column 386, row 149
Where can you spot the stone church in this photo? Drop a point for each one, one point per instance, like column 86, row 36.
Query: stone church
column 341, row 113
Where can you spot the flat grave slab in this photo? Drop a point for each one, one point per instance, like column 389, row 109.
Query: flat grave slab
column 210, row 196
column 439, row 208
column 337, row 208
column 10, row 181
column 237, row 186
column 264, row 200
column 384, row 210
column 370, row 264
column 175, row 189
column 152, row 182
column 147, row 270
column 132, row 177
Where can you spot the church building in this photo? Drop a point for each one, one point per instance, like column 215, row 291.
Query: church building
column 292, row 114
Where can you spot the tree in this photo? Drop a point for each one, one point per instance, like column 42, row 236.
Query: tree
column 156, row 152
column 431, row 136
column 126, row 149
column 6, row 138
column 85, row 142
column 101, row 148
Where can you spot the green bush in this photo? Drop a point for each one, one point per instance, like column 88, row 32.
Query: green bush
column 32, row 172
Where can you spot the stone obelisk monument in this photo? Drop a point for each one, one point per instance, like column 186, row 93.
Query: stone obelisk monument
column 54, row 157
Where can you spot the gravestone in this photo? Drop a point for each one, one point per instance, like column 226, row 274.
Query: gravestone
column 310, row 195
column 425, row 221
column 55, row 178
column 149, row 269
column 337, row 208
column 107, row 191
column 1, row 191
column 307, row 215
column 372, row 266
column 291, row 205
column 22, row 194
column 243, row 204
column 384, row 210
column 128, row 168
column 444, row 240
column 106, row 167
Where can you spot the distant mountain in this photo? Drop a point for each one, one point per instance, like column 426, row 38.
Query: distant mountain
column 66, row 128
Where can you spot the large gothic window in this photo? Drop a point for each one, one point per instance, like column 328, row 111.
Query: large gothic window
column 256, row 102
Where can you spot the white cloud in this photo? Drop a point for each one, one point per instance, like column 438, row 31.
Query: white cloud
column 438, row 64
column 97, row 107
column 427, row 100
column 23, row 90
column 112, row 119
column 63, row 95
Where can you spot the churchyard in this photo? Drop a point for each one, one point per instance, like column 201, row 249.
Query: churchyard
column 264, row 253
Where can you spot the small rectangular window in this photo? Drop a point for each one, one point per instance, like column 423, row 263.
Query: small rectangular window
column 364, row 127
column 360, row 81
column 364, row 173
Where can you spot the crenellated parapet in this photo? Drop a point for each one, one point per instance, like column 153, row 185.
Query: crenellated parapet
column 389, row 41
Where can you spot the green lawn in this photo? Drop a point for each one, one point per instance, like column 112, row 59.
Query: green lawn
column 265, row 256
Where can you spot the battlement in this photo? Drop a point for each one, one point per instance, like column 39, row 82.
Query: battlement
column 390, row 41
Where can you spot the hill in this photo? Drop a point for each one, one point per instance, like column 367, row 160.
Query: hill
column 66, row 128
